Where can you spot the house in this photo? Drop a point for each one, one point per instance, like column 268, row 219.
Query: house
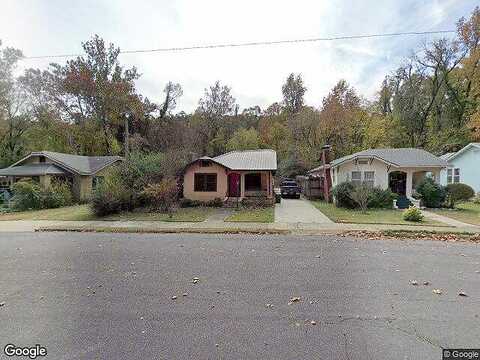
column 398, row 169
column 82, row 172
column 235, row 175
column 463, row 167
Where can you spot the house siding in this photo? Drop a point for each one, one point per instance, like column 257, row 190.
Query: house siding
column 468, row 163
column 189, row 180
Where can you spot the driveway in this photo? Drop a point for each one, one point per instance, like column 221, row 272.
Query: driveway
column 109, row 296
column 299, row 211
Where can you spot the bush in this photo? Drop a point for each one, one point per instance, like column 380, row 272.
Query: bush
column 361, row 195
column 381, row 199
column 341, row 193
column 163, row 195
column 217, row 202
column 413, row 214
column 186, row 203
column 476, row 199
column 431, row 193
column 457, row 193
column 111, row 195
column 27, row 196
column 57, row 195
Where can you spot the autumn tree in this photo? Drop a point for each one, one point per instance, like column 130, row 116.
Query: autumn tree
column 293, row 93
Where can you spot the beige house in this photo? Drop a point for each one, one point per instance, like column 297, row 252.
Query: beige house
column 236, row 175
column 82, row 172
column 401, row 170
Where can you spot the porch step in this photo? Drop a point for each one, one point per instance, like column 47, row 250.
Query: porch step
column 403, row 202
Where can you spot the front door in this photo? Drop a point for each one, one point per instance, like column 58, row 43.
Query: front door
column 397, row 182
column 234, row 185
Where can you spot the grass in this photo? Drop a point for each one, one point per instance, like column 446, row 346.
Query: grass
column 467, row 212
column 83, row 213
column 260, row 215
column 372, row 216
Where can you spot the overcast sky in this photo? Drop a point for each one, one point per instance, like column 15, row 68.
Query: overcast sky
column 256, row 74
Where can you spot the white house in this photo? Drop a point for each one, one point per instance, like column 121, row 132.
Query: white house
column 398, row 169
column 463, row 167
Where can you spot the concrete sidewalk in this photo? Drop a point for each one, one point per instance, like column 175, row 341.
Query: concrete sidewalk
column 299, row 211
column 213, row 226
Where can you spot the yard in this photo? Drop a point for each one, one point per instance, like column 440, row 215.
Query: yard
column 467, row 212
column 372, row 216
column 83, row 213
column 260, row 215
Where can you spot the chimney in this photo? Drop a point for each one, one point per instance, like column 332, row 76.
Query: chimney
column 326, row 154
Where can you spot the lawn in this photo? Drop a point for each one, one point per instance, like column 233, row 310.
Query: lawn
column 467, row 212
column 83, row 213
column 372, row 216
column 261, row 215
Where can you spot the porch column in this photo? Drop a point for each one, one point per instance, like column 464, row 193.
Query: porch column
column 242, row 185
column 409, row 189
column 436, row 174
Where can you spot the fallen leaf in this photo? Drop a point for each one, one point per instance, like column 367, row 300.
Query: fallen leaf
column 2, row 303
column 414, row 282
column 426, row 283
column 174, row 297
column 295, row 299
column 184, row 294
column 437, row 291
column 461, row 293
column 313, row 322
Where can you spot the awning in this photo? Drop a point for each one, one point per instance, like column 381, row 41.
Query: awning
column 32, row 170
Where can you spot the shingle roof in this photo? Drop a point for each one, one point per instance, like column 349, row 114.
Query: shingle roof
column 405, row 157
column 32, row 170
column 83, row 165
column 447, row 156
column 265, row 159
column 461, row 151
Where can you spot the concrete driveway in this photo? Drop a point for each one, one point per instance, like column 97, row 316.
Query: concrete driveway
column 299, row 211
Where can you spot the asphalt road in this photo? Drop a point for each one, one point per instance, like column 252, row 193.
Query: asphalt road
column 105, row 296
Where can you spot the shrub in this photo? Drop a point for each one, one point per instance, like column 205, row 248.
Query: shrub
column 186, row 203
column 413, row 214
column 361, row 195
column 458, row 192
column 163, row 195
column 27, row 195
column 341, row 193
column 57, row 195
column 476, row 199
column 111, row 195
column 381, row 199
column 431, row 193
column 217, row 202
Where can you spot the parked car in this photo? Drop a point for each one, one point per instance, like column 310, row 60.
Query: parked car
column 289, row 188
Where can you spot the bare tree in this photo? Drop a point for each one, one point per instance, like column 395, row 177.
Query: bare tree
column 172, row 93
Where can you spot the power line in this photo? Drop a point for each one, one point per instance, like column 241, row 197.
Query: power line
column 258, row 43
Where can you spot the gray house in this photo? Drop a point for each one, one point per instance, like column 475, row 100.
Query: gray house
column 82, row 172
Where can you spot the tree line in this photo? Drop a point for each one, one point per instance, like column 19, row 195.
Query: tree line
column 90, row 106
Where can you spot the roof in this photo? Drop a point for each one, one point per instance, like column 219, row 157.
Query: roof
column 461, row 151
column 447, row 156
column 318, row 168
column 83, row 165
column 264, row 159
column 32, row 170
column 403, row 157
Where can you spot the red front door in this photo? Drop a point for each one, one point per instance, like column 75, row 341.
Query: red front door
column 234, row 185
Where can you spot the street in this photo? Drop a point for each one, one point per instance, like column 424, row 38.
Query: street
column 132, row 296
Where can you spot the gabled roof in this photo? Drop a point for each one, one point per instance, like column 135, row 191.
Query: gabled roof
column 403, row 157
column 32, row 170
column 264, row 159
column 461, row 151
column 447, row 156
column 248, row 160
column 83, row 165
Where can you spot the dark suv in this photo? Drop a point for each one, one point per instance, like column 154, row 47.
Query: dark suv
column 289, row 188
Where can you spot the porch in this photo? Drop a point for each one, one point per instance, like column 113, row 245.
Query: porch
column 404, row 181
column 249, row 185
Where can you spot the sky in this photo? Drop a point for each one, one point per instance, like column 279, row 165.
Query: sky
column 255, row 74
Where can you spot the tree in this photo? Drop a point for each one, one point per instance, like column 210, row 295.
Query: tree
column 293, row 92
column 172, row 93
column 244, row 139
column 14, row 111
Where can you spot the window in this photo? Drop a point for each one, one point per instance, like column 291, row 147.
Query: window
column 205, row 182
column 334, row 176
column 97, row 180
column 253, row 182
column 363, row 162
column 369, row 178
column 356, row 177
column 453, row 176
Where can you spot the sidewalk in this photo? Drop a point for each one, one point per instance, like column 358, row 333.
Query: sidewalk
column 213, row 227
